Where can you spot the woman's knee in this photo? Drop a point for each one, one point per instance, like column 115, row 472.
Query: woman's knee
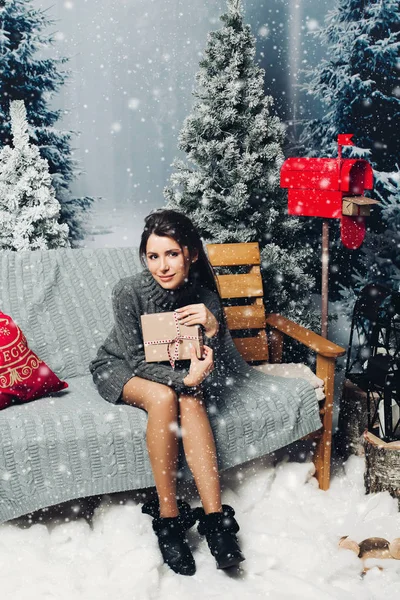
column 149, row 395
column 164, row 399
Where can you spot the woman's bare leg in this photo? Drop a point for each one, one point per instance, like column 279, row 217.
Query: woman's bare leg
column 200, row 451
column 161, row 404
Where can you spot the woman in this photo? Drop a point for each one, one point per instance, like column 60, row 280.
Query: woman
column 177, row 276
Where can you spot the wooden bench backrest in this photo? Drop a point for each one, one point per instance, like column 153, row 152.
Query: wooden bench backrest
column 242, row 286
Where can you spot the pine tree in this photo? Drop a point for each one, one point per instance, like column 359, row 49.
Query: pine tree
column 28, row 206
column 358, row 85
column 380, row 259
column 26, row 76
column 381, row 253
column 230, row 184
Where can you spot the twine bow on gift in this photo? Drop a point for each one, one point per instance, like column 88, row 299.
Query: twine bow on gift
column 176, row 340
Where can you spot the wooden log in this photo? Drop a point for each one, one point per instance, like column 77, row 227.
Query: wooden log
column 371, row 550
column 374, row 548
column 394, row 548
column 347, row 544
column 382, row 469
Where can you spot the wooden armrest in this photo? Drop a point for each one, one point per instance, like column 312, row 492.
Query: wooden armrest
column 327, row 353
column 307, row 337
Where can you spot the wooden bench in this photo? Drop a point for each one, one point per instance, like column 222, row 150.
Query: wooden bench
column 75, row 444
column 262, row 348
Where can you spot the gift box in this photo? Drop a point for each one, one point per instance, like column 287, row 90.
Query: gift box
column 166, row 339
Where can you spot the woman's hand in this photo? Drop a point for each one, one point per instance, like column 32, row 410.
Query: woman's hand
column 199, row 369
column 198, row 314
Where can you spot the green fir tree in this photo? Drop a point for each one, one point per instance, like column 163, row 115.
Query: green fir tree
column 24, row 75
column 358, row 85
column 229, row 185
column 29, row 210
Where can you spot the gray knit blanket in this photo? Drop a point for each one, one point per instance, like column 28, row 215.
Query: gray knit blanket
column 74, row 443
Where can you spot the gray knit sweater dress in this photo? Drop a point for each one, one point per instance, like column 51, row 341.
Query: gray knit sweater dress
column 288, row 408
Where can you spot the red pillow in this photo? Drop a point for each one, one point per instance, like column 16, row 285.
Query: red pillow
column 23, row 376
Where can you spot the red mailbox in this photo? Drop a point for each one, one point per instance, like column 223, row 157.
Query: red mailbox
column 331, row 188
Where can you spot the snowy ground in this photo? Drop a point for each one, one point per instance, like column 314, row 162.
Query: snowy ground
column 289, row 535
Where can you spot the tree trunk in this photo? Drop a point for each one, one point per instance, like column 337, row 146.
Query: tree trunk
column 382, row 469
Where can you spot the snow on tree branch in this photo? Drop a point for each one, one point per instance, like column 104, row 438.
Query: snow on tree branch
column 229, row 184
column 29, row 209
column 19, row 123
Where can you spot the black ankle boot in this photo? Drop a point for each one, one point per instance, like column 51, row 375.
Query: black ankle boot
column 220, row 529
column 170, row 532
column 186, row 513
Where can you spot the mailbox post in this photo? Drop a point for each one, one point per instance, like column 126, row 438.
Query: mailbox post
column 331, row 188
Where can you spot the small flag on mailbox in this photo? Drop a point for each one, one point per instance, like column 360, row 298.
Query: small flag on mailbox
column 344, row 139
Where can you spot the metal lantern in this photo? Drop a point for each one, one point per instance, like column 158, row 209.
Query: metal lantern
column 373, row 358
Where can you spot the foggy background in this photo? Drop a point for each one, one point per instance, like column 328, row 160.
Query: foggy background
column 133, row 66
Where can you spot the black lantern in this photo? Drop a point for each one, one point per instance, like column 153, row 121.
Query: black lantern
column 373, row 358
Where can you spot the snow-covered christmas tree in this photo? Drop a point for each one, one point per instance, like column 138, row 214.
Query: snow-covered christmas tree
column 28, row 207
column 381, row 252
column 229, row 185
column 358, row 85
column 380, row 259
column 26, row 74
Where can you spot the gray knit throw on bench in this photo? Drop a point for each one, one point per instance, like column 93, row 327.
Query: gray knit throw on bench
column 75, row 443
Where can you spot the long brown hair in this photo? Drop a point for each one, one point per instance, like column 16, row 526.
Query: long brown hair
column 176, row 225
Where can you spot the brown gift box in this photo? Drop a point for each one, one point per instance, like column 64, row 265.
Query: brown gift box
column 166, row 339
